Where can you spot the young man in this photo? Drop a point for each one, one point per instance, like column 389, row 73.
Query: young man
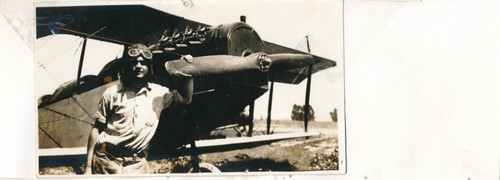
column 128, row 115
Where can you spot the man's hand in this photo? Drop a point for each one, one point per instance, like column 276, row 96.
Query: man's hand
column 185, row 89
column 94, row 133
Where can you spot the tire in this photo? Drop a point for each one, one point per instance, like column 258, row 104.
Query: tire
column 206, row 167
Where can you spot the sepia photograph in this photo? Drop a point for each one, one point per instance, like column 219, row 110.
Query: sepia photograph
column 250, row 87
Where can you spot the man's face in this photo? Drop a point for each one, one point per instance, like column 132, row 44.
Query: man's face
column 138, row 67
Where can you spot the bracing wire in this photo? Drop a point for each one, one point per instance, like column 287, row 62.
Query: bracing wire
column 93, row 35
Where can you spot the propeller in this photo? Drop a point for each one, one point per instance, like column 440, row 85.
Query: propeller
column 223, row 64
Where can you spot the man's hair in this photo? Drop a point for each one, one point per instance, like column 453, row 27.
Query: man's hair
column 126, row 63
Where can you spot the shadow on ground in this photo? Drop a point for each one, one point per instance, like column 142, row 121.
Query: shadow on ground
column 61, row 165
column 245, row 163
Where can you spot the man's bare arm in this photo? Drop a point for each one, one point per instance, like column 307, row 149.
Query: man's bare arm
column 184, row 89
column 94, row 134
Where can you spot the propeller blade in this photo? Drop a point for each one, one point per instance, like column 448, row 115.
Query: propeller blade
column 284, row 61
column 223, row 64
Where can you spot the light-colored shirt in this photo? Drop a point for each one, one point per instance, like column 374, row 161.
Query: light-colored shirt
column 132, row 118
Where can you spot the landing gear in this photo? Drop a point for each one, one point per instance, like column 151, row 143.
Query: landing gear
column 205, row 167
column 197, row 166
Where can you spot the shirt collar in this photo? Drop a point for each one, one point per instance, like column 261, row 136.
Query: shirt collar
column 144, row 89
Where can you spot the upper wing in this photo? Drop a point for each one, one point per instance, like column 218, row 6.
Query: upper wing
column 126, row 24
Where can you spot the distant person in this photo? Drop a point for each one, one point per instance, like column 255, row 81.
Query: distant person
column 128, row 115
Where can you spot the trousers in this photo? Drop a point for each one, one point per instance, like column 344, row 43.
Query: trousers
column 105, row 164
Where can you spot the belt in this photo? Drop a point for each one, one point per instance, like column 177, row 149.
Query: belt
column 116, row 152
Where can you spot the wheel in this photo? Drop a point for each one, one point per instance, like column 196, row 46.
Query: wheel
column 206, row 167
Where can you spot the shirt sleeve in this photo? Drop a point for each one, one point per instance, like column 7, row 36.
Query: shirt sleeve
column 168, row 98
column 102, row 110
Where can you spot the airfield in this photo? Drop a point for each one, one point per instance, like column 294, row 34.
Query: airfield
column 301, row 154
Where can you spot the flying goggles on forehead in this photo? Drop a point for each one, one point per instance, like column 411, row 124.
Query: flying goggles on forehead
column 134, row 52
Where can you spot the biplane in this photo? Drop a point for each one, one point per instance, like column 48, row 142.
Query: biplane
column 237, row 68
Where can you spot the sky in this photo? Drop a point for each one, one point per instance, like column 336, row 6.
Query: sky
column 286, row 24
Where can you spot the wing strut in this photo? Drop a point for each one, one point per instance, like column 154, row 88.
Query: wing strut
column 308, row 89
column 270, row 103
column 82, row 55
column 80, row 65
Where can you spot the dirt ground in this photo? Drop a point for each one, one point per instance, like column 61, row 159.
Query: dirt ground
column 301, row 154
